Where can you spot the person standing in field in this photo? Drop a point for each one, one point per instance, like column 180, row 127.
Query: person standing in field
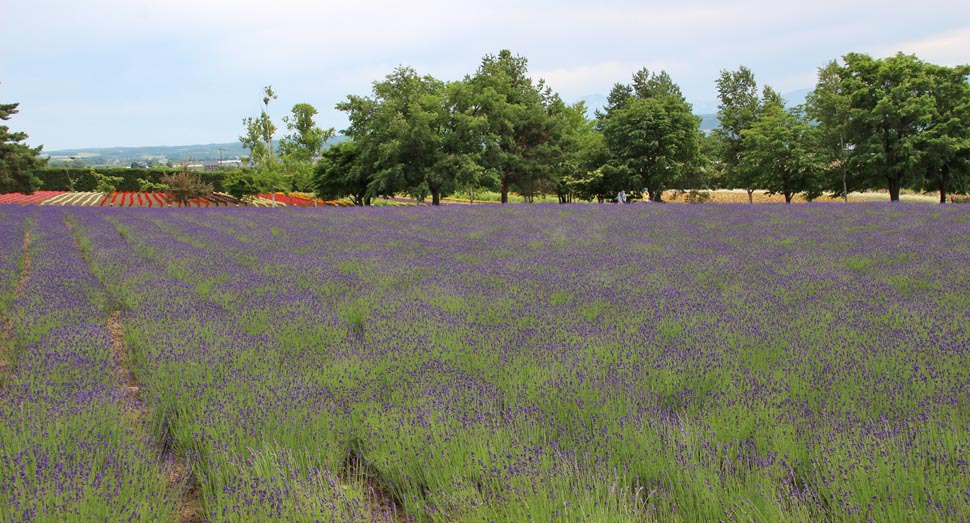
column 621, row 197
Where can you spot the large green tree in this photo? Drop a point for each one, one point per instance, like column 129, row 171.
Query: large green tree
column 339, row 173
column 946, row 143
column 299, row 149
column 525, row 122
column 583, row 156
column 779, row 152
column 652, row 136
column 17, row 159
column 738, row 109
column 902, row 120
column 405, row 137
column 828, row 106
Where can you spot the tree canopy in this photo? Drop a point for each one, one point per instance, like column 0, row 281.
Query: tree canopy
column 17, row 159
column 902, row 121
column 652, row 137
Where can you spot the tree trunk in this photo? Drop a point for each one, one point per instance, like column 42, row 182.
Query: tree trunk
column 944, row 174
column 842, row 163
column 894, row 189
column 788, row 197
column 435, row 198
column 750, row 196
column 505, row 190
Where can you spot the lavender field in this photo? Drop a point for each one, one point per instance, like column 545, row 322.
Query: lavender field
column 540, row 363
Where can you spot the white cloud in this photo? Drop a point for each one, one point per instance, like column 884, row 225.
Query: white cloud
column 574, row 82
column 949, row 49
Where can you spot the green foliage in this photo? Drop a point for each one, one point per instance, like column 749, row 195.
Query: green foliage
column 652, row 137
column 60, row 179
column 585, row 152
column 900, row 121
column 946, row 145
column 105, row 182
column 247, row 183
column 524, row 125
column 414, row 134
column 260, row 130
column 778, row 152
column 17, row 160
column 740, row 108
column 339, row 174
column 150, row 186
column 306, row 139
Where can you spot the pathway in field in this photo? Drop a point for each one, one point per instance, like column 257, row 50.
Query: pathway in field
column 176, row 472
column 6, row 327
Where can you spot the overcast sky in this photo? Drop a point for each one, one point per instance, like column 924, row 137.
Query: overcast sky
column 101, row 73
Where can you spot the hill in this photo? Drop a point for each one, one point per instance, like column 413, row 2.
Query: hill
column 154, row 153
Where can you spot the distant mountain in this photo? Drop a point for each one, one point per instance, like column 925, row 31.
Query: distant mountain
column 154, row 154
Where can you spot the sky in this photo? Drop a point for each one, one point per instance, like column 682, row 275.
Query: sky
column 110, row 73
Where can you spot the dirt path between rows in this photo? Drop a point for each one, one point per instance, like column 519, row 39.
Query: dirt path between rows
column 6, row 326
column 177, row 473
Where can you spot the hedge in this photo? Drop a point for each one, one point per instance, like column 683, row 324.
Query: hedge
column 57, row 178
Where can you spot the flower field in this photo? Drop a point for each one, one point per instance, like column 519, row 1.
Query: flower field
column 159, row 199
column 538, row 363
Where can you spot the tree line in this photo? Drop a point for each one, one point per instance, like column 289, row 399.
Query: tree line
column 870, row 123
column 890, row 123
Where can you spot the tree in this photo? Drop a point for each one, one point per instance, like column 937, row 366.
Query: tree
column 523, row 123
column 398, row 134
column 418, row 135
column 304, row 143
column 892, row 120
column 260, row 130
column 778, row 152
column 584, row 155
column 306, row 139
column 737, row 111
column 267, row 176
column 185, row 186
column 463, row 133
column 946, row 143
column 339, row 173
column 651, row 134
column 828, row 106
column 105, row 183
column 17, row 160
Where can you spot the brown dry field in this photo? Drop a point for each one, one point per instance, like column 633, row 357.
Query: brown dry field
column 741, row 196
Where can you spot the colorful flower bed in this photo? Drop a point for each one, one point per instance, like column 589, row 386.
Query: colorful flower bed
column 543, row 362
column 38, row 197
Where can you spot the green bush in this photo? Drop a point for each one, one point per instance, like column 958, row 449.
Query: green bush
column 60, row 179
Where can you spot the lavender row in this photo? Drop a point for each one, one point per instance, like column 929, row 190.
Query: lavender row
column 13, row 223
column 562, row 363
column 196, row 363
column 67, row 450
